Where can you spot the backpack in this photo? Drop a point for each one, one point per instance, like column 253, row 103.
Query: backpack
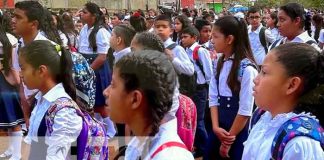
column 275, row 43
column 297, row 126
column 84, row 79
column 187, row 121
column 92, row 143
column 262, row 39
column 188, row 83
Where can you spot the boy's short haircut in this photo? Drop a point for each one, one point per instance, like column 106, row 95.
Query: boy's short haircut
column 200, row 23
column 191, row 30
column 164, row 17
column 253, row 10
column 126, row 32
column 120, row 16
column 33, row 10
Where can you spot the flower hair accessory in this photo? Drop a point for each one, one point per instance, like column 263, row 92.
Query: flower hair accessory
column 58, row 49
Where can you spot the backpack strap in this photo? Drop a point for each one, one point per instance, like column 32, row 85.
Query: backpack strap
column 168, row 145
column 297, row 126
column 310, row 42
column 196, row 59
column 262, row 39
column 171, row 46
column 275, row 43
column 245, row 63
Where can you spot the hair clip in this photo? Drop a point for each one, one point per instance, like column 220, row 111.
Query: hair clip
column 58, row 49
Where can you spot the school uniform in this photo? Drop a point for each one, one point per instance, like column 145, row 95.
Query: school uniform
column 66, row 127
column 258, row 50
column 275, row 33
column 260, row 140
column 144, row 147
column 118, row 55
column 321, row 37
column 11, row 113
column 302, row 38
column 201, row 94
column 229, row 105
column 15, row 61
column 103, row 74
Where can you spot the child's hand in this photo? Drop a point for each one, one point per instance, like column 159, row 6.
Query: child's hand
column 223, row 135
column 224, row 149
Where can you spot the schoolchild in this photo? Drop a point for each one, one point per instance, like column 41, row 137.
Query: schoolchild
column 180, row 22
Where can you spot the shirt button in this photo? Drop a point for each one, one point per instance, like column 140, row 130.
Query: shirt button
column 228, row 99
column 228, row 106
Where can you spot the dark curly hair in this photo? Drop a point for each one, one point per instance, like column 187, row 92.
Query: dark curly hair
column 149, row 41
column 153, row 73
column 303, row 61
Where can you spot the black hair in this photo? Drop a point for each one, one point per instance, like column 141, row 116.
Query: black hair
column 152, row 73
column 94, row 10
column 163, row 17
column 49, row 28
column 253, row 10
column 60, row 27
column 229, row 25
column 149, row 41
column 6, row 45
column 120, row 16
column 191, row 30
column 186, row 12
column 68, row 24
column 138, row 22
column 274, row 16
column 125, row 32
column 294, row 10
column 43, row 52
column 318, row 23
column 304, row 61
column 200, row 23
column 183, row 20
column 33, row 10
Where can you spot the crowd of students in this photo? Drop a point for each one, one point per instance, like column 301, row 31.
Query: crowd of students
column 254, row 91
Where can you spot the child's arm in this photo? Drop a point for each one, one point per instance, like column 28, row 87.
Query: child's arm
column 102, row 39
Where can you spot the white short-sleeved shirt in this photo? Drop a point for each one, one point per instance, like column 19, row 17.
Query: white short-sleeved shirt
column 167, row 133
column 12, row 39
column 321, row 36
column 246, row 99
column 102, row 40
column 258, row 145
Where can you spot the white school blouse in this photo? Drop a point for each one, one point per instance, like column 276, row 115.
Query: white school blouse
column 102, row 41
column 246, row 101
column 258, row 144
column 66, row 128
column 167, row 132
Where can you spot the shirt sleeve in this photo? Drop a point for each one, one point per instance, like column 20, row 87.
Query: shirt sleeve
column 66, row 129
column 103, row 41
column 204, row 58
column 246, row 98
column 321, row 37
column 213, row 93
column 181, row 61
column 269, row 37
column 303, row 148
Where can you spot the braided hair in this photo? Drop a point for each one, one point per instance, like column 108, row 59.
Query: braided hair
column 149, row 41
column 152, row 73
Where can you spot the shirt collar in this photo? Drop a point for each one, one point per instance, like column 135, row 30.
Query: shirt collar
column 121, row 53
column 168, row 42
column 53, row 94
column 301, row 38
column 193, row 46
column 39, row 36
column 257, row 31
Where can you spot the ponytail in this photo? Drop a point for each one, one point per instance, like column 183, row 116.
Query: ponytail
column 65, row 75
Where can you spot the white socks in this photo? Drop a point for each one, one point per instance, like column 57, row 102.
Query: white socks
column 15, row 145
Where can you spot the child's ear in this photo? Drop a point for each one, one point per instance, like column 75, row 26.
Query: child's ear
column 119, row 40
column 42, row 70
column 136, row 99
column 230, row 39
column 294, row 84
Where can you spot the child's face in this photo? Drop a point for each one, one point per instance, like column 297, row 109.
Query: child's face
column 205, row 33
column 162, row 29
column 29, row 75
column 187, row 40
column 78, row 26
column 255, row 19
column 114, row 40
column 117, row 99
column 218, row 40
column 20, row 23
column 286, row 25
column 86, row 16
column 271, row 84
column 177, row 25
column 269, row 20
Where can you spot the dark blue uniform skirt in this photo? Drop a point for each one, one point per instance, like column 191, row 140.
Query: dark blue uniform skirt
column 103, row 79
column 227, row 112
column 10, row 111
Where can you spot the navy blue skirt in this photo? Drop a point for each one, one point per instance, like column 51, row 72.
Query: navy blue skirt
column 10, row 111
column 103, row 79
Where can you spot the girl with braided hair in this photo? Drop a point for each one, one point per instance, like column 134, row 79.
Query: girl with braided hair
column 289, row 84
column 140, row 95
